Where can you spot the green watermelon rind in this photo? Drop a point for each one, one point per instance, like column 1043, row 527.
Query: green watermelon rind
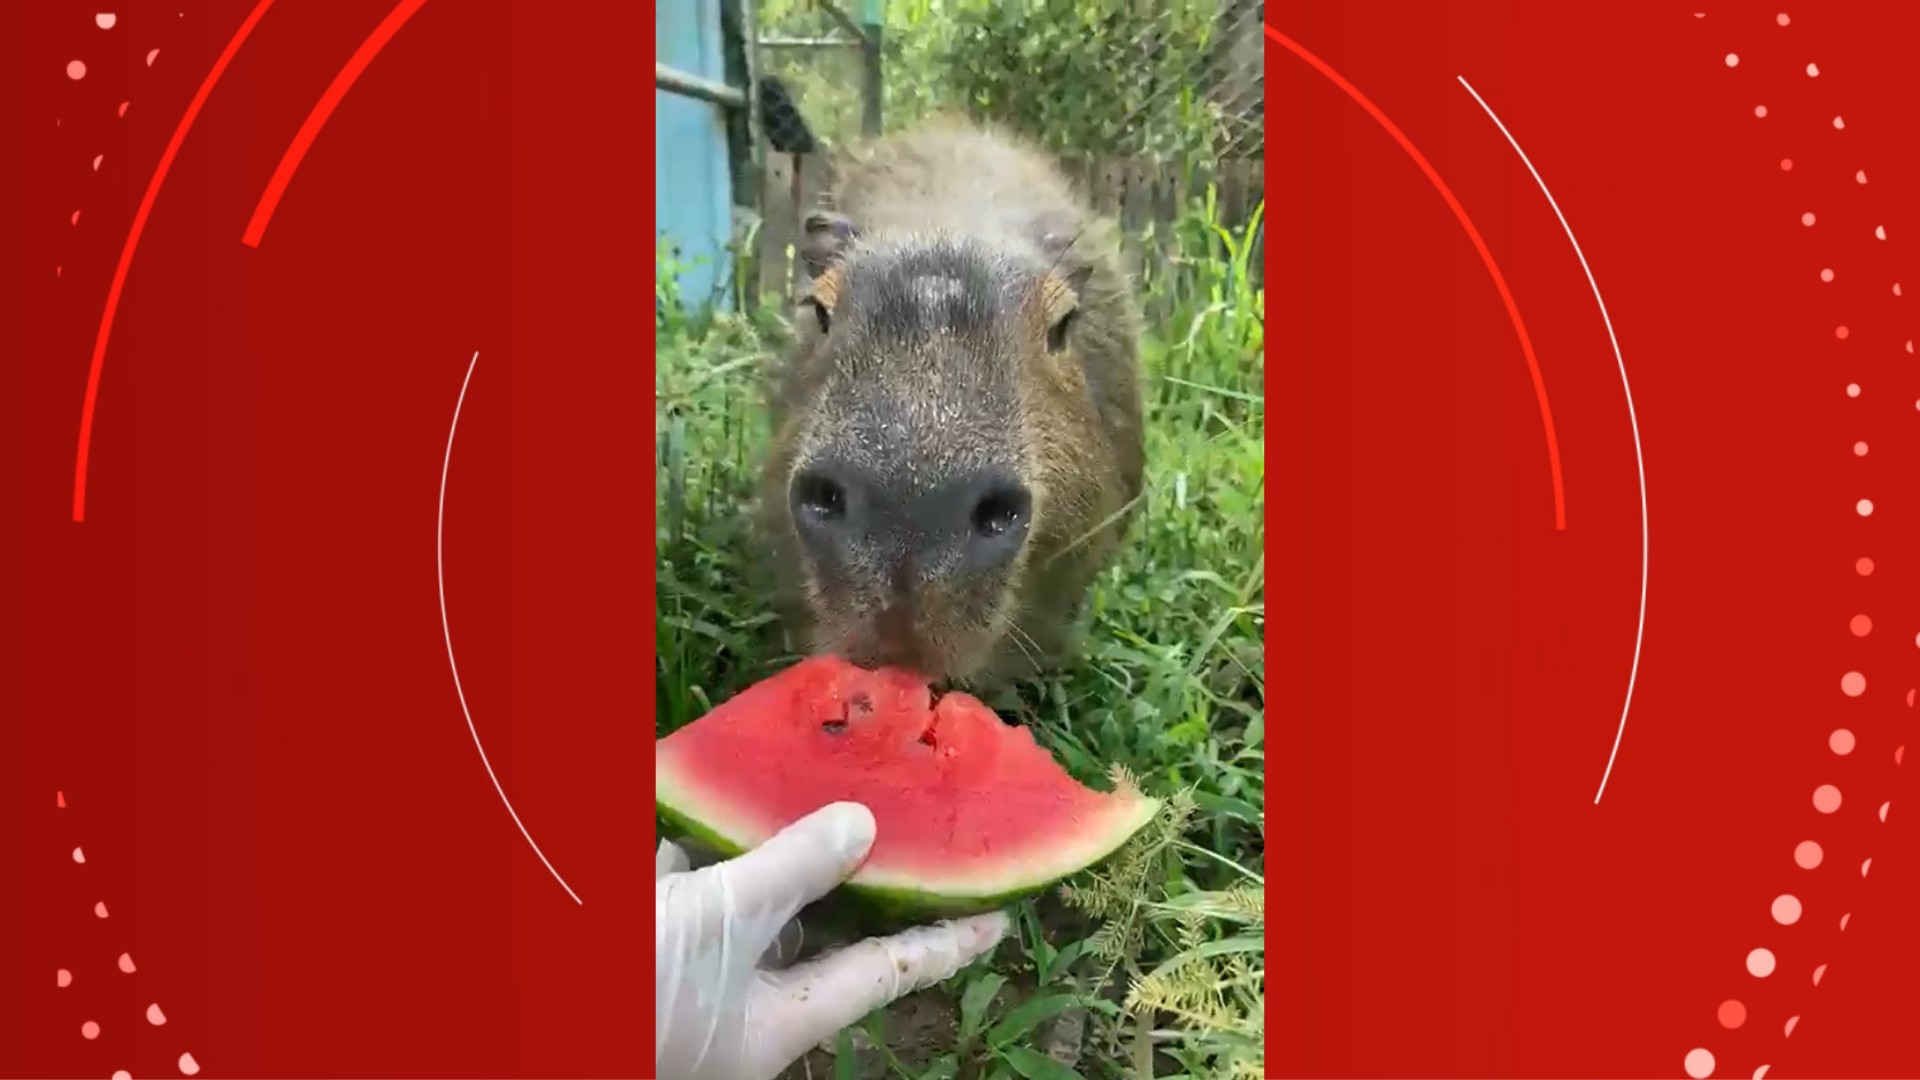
column 895, row 905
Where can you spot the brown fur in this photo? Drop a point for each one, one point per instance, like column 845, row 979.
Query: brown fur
column 967, row 249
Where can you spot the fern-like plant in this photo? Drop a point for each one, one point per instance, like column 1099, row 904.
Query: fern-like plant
column 1195, row 959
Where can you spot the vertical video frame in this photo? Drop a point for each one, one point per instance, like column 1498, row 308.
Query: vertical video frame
column 959, row 326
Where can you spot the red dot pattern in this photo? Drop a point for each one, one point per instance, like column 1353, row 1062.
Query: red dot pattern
column 102, row 66
column 93, row 90
column 90, row 1024
column 1792, row 941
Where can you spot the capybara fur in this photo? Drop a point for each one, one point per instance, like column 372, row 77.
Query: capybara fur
column 957, row 445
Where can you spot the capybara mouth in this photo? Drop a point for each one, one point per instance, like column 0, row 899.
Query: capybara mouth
column 939, row 685
column 940, row 668
column 913, row 660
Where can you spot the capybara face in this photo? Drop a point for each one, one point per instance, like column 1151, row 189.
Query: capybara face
column 942, row 465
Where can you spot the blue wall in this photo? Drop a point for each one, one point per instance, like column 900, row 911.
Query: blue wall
column 694, row 200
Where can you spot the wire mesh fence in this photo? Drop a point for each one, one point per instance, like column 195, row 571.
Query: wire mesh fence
column 1163, row 79
column 1148, row 104
column 811, row 93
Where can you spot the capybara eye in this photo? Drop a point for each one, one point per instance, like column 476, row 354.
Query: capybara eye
column 1057, row 336
column 821, row 313
column 820, row 497
column 1001, row 510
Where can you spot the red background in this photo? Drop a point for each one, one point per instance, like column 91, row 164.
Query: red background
column 1448, row 900
column 234, row 669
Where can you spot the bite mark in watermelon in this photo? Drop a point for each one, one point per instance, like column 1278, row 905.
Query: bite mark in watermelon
column 971, row 813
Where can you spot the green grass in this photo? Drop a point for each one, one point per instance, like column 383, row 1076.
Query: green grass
column 1172, row 686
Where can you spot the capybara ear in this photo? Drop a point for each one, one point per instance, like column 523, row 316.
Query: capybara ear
column 1065, row 283
column 824, row 295
column 826, row 237
column 1058, row 299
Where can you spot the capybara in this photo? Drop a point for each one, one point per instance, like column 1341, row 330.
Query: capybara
column 957, row 445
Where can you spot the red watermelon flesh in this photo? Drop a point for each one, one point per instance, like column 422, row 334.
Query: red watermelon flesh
column 971, row 812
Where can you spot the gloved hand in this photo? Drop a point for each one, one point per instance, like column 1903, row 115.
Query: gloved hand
column 722, row 1012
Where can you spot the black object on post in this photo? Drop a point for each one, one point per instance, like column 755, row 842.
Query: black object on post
column 787, row 130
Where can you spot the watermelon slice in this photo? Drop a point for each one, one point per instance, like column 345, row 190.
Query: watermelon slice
column 971, row 813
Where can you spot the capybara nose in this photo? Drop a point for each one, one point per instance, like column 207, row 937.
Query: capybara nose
column 978, row 522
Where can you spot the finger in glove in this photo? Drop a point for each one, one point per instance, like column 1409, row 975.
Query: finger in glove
column 836, row 990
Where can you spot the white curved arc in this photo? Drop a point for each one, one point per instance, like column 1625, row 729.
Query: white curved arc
column 440, row 566
column 1640, row 462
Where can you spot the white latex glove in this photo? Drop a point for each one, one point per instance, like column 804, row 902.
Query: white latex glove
column 721, row 1012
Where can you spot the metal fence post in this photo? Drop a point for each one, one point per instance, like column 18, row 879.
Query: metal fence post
column 873, row 26
column 875, row 85
column 686, row 84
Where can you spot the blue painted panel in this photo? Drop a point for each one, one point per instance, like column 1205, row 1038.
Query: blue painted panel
column 694, row 188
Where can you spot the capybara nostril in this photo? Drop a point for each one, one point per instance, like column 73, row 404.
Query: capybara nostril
column 1002, row 509
column 997, row 522
column 825, row 505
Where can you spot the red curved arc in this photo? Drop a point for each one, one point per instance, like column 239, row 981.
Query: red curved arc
column 322, row 112
column 133, row 242
column 1479, row 244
